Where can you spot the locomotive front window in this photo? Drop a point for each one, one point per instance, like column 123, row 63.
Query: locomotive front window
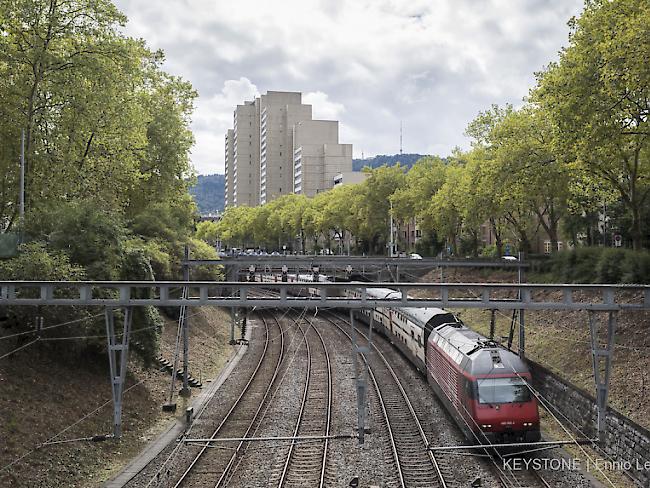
column 503, row 390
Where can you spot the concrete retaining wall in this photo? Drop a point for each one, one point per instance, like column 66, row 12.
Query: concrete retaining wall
column 625, row 442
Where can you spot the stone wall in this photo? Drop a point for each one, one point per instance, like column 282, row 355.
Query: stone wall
column 625, row 441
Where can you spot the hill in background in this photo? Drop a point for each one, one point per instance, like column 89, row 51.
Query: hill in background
column 389, row 160
column 209, row 189
column 208, row 193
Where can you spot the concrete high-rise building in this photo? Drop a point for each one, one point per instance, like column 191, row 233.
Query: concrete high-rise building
column 280, row 111
column 261, row 150
column 246, row 155
column 228, row 189
column 317, row 156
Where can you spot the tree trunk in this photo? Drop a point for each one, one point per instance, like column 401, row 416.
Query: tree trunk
column 636, row 228
column 497, row 237
column 550, row 226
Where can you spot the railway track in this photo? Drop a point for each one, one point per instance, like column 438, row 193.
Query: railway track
column 300, row 463
column 210, row 466
column 414, row 464
column 306, row 462
column 443, row 463
column 525, row 478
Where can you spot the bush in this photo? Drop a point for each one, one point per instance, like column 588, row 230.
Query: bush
column 608, row 268
column 35, row 262
column 146, row 322
column 201, row 250
column 600, row 265
column 87, row 233
column 575, row 266
column 636, row 268
column 489, row 251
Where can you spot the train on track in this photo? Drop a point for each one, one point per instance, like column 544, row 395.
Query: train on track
column 483, row 385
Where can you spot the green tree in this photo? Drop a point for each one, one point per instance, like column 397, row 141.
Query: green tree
column 529, row 170
column 445, row 210
column 89, row 235
column 372, row 208
column 598, row 96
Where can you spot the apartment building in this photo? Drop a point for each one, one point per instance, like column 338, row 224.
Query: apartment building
column 350, row 178
column 228, row 189
column 317, row 156
column 261, row 150
column 246, row 150
column 280, row 111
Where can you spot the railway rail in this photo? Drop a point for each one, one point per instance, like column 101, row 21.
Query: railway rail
column 302, row 462
column 306, row 462
column 241, row 419
column 523, row 478
column 415, row 465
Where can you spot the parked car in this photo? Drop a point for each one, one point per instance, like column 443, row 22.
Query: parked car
column 415, row 255
column 509, row 258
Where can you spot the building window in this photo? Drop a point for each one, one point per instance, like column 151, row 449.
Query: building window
column 418, row 233
column 547, row 247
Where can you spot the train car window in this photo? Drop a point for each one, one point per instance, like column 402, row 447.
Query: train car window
column 419, row 340
column 412, row 335
column 443, row 318
column 503, row 390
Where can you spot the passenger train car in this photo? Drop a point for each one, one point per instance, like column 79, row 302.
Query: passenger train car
column 482, row 384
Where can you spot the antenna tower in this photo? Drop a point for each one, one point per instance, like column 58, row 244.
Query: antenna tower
column 400, row 137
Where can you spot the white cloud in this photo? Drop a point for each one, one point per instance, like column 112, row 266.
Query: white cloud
column 212, row 118
column 322, row 106
column 368, row 63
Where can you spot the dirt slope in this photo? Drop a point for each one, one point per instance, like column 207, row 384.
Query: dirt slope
column 41, row 394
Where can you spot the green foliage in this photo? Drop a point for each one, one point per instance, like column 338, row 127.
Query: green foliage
column 576, row 265
column 404, row 160
column 373, row 205
column 89, row 235
column 600, row 265
column 608, row 268
column 107, row 152
column 165, row 228
column 35, row 262
column 156, row 252
column 201, row 250
column 146, row 321
column 598, row 99
column 636, row 268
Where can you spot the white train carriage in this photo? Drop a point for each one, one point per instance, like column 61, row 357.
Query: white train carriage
column 408, row 328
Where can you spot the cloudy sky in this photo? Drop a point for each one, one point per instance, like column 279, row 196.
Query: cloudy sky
column 433, row 64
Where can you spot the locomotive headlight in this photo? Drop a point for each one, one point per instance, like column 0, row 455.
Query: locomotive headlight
column 486, row 426
column 528, row 424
